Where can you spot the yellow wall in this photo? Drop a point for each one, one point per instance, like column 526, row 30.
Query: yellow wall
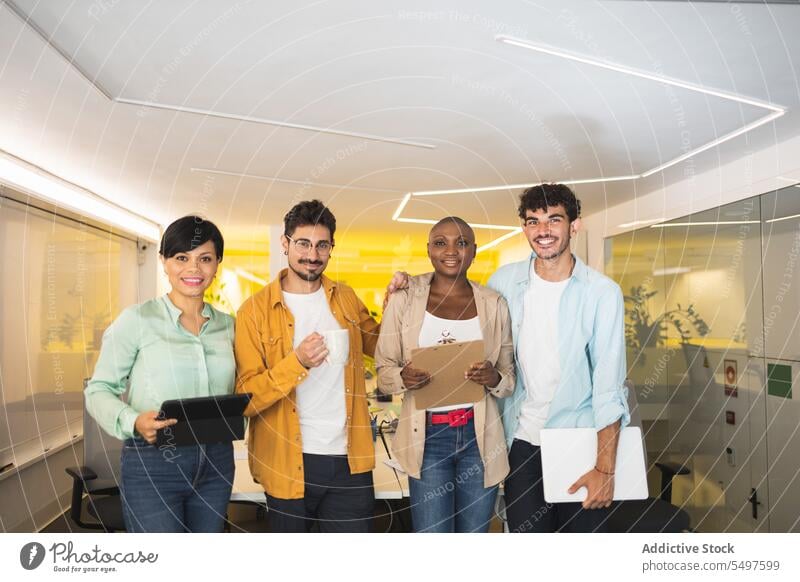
column 365, row 261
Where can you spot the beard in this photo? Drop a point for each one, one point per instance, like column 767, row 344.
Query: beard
column 305, row 276
column 556, row 253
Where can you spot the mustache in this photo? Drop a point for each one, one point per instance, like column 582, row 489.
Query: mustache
column 309, row 262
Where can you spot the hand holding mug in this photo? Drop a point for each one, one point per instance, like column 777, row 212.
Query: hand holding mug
column 337, row 342
column 312, row 351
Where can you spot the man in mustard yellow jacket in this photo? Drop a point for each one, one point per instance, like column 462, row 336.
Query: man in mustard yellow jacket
column 310, row 438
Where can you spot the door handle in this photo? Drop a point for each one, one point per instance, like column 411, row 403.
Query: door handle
column 753, row 499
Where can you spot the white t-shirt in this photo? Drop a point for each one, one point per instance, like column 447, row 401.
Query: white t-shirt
column 538, row 353
column 320, row 398
column 437, row 331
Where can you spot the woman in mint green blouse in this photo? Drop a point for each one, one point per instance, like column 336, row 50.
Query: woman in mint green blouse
column 174, row 346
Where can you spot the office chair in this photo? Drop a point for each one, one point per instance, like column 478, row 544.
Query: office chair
column 98, row 477
column 654, row 514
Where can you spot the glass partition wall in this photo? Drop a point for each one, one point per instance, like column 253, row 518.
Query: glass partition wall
column 712, row 340
column 63, row 283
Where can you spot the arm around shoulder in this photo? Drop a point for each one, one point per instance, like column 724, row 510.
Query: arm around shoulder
column 389, row 351
column 369, row 328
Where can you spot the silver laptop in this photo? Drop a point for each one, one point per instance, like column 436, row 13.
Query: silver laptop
column 568, row 453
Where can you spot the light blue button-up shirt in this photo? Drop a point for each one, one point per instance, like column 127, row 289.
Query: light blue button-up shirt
column 591, row 345
column 148, row 348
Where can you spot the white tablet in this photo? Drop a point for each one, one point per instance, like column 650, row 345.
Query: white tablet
column 568, row 453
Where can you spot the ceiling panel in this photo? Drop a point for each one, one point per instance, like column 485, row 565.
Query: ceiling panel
column 431, row 73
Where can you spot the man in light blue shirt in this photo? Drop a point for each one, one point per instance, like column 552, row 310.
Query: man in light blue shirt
column 568, row 328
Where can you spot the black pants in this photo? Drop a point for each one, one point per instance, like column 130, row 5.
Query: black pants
column 526, row 509
column 335, row 499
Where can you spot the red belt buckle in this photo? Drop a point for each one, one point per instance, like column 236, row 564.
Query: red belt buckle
column 458, row 417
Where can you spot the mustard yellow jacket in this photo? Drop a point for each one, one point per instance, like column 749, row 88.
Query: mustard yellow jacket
column 268, row 368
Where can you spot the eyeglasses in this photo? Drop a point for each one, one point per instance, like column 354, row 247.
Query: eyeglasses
column 303, row 245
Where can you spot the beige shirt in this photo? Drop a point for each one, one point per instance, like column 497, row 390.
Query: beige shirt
column 400, row 329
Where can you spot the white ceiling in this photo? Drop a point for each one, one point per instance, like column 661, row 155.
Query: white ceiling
column 427, row 73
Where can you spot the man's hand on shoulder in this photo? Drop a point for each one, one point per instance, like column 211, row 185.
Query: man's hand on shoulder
column 398, row 283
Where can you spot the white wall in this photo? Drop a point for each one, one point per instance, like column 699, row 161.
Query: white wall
column 750, row 175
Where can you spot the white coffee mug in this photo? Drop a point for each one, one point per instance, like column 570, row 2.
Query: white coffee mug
column 338, row 343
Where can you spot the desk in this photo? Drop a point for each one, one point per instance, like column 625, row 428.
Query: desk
column 389, row 484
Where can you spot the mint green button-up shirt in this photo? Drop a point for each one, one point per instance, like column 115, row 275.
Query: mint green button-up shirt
column 148, row 352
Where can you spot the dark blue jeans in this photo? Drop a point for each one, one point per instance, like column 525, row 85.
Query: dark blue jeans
column 176, row 489
column 449, row 496
column 336, row 500
column 526, row 508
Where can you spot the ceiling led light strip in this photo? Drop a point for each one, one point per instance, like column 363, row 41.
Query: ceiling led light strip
column 714, row 143
column 775, row 111
column 497, row 241
column 70, row 60
column 38, row 183
column 635, row 72
column 472, row 224
column 276, row 123
column 512, row 230
column 520, row 186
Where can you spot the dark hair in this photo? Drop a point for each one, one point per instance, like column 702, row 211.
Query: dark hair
column 544, row 195
column 309, row 213
column 188, row 233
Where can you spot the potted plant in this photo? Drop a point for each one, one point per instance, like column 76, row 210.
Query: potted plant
column 642, row 330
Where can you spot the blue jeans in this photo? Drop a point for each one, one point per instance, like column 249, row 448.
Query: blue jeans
column 449, row 496
column 175, row 489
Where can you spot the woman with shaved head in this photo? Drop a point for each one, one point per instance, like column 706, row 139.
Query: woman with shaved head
column 456, row 455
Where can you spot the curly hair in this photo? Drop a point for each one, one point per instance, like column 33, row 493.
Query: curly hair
column 544, row 195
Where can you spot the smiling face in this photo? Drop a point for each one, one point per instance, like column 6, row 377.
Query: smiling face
column 308, row 251
column 549, row 231
column 191, row 273
column 451, row 248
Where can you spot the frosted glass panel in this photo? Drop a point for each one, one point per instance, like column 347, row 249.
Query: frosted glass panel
column 635, row 261
column 782, row 273
column 718, row 410
column 704, row 297
column 63, row 283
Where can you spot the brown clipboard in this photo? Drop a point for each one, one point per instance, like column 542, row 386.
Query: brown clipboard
column 447, row 363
